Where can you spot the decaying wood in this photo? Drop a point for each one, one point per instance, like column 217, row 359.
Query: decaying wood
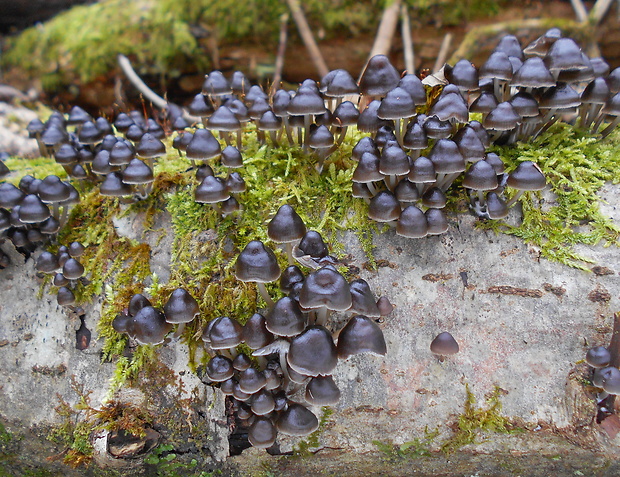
column 405, row 26
column 307, row 37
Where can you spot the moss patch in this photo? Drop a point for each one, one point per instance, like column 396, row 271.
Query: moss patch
column 576, row 166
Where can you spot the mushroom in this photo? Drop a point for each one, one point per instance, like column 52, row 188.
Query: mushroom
column 257, row 263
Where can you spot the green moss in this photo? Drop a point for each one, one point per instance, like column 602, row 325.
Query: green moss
column 304, row 447
column 576, row 166
column 39, row 167
column 475, row 420
column 413, row 449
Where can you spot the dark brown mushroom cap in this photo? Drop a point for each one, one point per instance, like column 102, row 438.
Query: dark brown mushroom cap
column 285, row 318
column 361, row 335
column 450, row 106
column 262, row 433
column 434, row 198
column 338, row 83
column 446, row 157
column 149, row 146
column 415, row 137
column 286, row 226
column 238, row 394
column 181, row 307
column 66, row 154
column 533, row 73
column 396, row 104
column 435, row 128
column 464, row 75
column 437, row 221
column 290, row 276
column 413, row 85
column 262, row 402
column 367, row 169
column 422, row 171
column 384, row 305
column 496, row 161
column 480, row 176
column 312, row 244
column 598, row 357
column 121, row 153
column 257, row 263
column 306, row 102
column 612, row 106
column 255, row 333
column 496, row 207
column 497, row 66
column 113, row 186
column 378, row 77
column 469, row 144
column 227, row 386
column 406, row 191
column 502, row 118
column 200, row 106
column 65, row 296
column 525, row 105
column 313, row 352
column 322, row 391
column 211, row 190
column 33, row 210
column 444, row 344
column 563, row 55
column 223, row 119
column 215, row 84
column 384, row 207
column 368, row 121
column 611, row 381
column 136, row 303
column 10, row 195
column 251, row 380
column 325, row 287
column 150, row 326
column 363, row 301
column 510, row 45
column 366, row 144
column 597, row 92
column 412, row 223
column 47, row 262
column 235, row 183
column 297, row 420
column 393, row 160
column 225, row 333
column 484, row 103
column 203, row 145
column 527, row 176
column 541, row 45
column 123, row 323
column 72, row 269
column 241, row 362
column 219, row 368
column 137, row 172
column 562, row 96
column 345, row 114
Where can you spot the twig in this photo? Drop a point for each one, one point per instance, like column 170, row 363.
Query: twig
column 307, row 37
column 443, row 52
column 387, row 27
column 580, row 10
column 407, row 41
column 140, row 85
column 277, row 75
column 599, row 10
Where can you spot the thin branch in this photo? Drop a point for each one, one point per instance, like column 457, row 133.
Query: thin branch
column 307, row 37
column 140, row 85
column 407, row 41
column 443, row 52
column 387, row 28
column 277, row 75
column 580, row 11
column 599, row 10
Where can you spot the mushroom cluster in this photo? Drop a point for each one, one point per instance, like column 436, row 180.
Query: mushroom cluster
column 65, row 267
column 604, row 376
column 296, row 341
column 147, row 324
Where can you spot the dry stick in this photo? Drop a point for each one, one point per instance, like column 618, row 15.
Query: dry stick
column 387, row 28
column 443, row 52
column 306, row 36
column 277, row 75
column 580, row 11
column 599, row 10
column 614, row 351
column 405, row 27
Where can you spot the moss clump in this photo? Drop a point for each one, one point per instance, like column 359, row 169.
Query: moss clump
column 477, row 419
column 413, row 449
column 303, row 448
column 576, row 165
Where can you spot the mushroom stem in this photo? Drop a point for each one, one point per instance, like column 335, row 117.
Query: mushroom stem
column 605, row 132
column 179, row 331
column 321, row 316
column 287, row 128
column 288, row 247
column 274, row 138
column 307, row 122
column 265, row 294
column 514, row 198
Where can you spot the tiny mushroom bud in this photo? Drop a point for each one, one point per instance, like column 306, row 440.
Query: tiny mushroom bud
column 444, row 344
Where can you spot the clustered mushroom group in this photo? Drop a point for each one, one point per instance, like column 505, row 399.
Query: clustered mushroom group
column 416, row 147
